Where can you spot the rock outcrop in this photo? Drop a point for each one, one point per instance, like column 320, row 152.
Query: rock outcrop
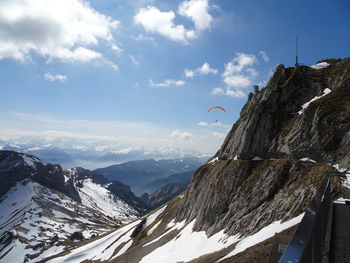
column 15, row 167
column 270, row 125
column 163, row 194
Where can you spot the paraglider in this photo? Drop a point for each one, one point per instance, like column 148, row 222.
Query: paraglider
column 217, row 107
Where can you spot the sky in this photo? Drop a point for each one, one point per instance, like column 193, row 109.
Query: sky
column 143, row 73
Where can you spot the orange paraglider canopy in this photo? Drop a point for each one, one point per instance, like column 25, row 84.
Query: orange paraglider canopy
column 217, row 107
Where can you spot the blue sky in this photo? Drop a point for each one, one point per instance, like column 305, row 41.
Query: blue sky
column 107, row 73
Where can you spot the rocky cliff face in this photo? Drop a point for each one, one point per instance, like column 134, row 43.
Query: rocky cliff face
column 15, row 167
column 273, row 123
column 290, row 135
column 163, row 194
column 257, row 176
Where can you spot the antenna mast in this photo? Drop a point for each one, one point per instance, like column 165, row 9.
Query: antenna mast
column 296, row 51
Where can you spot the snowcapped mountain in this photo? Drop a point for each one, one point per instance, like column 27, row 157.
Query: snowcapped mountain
column 109, row 197
column 92, row 157
column 37, row 221
column 44, row 209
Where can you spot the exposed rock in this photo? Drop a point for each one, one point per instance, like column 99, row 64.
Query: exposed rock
column 6, row 239
column 270, row 126
column 77, row 236
column 242, row 195
column 15, row 167
column 164, row 194
column 138, row 229
column 54, row 239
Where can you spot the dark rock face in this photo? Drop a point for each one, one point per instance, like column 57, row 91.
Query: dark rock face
column 14, row 168
column 77, row 236
column 270, row 126
column 163, row 194
column 241, row 195
column 138, row 229
column 125, row 193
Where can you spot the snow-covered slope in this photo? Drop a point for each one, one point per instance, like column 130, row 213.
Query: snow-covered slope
column 45, row 211
column 36, row 221
column 93, row 192
column 168, row 242
column 98, row 197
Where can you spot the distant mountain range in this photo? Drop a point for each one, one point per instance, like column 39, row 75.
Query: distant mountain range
column 149, row 175
column 92, row 158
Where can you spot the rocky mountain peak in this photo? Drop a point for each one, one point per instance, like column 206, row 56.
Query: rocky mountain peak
column 15, row 167
column 302, row 112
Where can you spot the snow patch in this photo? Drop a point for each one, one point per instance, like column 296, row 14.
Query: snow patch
column 307, row 159
column 265, row 233
column 153, row 228
column 214, row 160
column 257, row 158
column 320, row 65
column 29, row 161
column 101, row 249
column 341, row 201
column 188, row 245
column 305, row 105
column 150, row 219
column 124, row 248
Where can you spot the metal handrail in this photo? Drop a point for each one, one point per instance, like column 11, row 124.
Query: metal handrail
column 307, row 243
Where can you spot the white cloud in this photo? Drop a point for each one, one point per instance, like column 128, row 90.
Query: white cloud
column 219, row 135
column 156, row 21
column 213, row 124
column 111, row 64
column 134, row 60
column 142, row 37
column 189, row 73
column 205, row 69
column 197, row 11
column 238, row 75
column 59, row 77
column 264, row 56
column 218, row 91
column 181, row 135
column 65, row 30
column 234, row 93
column 166, row 83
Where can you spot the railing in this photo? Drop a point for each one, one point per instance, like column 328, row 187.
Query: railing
column 307, row 243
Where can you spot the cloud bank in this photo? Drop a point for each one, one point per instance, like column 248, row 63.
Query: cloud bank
column 66, row 30
column 160, row 22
